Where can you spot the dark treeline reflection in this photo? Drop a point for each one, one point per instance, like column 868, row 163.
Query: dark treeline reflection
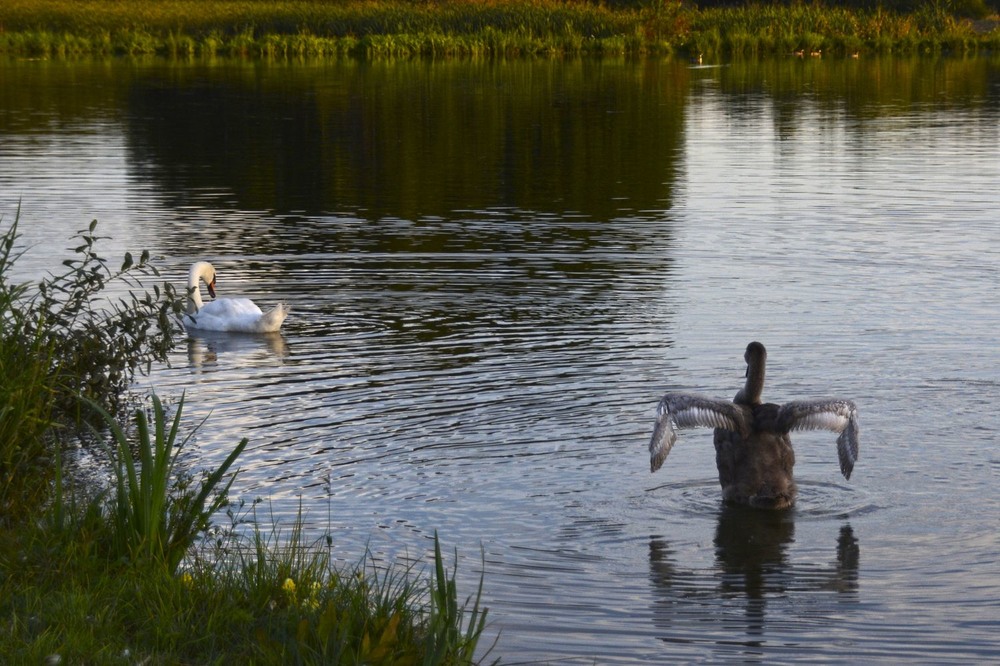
column 414, row 139
column 417, row 139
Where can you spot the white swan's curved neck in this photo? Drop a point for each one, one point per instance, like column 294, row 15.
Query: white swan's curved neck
column 201, row 270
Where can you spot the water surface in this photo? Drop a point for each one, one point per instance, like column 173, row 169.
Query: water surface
column 494, row 271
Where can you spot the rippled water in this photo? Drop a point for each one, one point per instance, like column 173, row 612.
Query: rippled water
column 490, row 371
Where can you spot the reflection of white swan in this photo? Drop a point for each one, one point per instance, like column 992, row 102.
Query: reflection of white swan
column 236, row 315
column 752, row 449
column 205, row 348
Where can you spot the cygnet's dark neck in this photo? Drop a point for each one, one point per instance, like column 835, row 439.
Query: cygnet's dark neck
column 756, row 358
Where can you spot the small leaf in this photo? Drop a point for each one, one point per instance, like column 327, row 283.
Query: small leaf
column 388, row 638
column 328, row 621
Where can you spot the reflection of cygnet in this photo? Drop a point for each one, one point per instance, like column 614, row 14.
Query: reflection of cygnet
column 752, row 449
column 236, row 315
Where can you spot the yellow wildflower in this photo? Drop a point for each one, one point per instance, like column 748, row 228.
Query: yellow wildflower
column 312, row 603
column 289, row 587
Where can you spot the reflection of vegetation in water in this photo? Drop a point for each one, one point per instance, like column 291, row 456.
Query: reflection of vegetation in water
column 415, row 139
column 396, row 28
column 109, row 575
column 866, row 87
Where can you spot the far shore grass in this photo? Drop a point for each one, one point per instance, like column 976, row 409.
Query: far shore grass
column 494, row 28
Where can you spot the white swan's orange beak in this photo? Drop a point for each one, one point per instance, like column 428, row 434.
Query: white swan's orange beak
column 211, row 288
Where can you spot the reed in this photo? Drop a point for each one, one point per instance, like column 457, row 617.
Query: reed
column 454, row 629
column 394, row 28
column 773, row 29
column 155, row 513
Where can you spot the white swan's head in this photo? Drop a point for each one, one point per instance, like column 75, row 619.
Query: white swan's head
column 202, row 270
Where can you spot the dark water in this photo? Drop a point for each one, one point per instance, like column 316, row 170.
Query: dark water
column 494, row 271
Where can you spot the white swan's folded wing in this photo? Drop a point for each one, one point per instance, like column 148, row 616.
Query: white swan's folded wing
column 236, row 315
column 231, row 308
column 686, row 410
column 839, row 416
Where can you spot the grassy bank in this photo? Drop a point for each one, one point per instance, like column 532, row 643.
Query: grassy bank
column 303, row 28
column 119, row 573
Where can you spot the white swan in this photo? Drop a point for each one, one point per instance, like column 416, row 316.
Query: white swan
column 752, row 449
column 234, row 315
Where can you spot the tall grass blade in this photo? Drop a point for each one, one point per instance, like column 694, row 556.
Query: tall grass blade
column 156, row 519
column 453, row 631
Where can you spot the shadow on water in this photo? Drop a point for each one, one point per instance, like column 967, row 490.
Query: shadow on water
column 753, row 583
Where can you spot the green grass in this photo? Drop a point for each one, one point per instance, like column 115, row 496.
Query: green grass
column 128, row 574
column 264, row 598
column 395, row 28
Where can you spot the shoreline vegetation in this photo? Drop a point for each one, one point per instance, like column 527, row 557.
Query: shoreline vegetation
column 282, row 29
column 132, row 570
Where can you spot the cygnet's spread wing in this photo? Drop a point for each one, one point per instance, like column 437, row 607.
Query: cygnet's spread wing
column 686, row 410
column 839, row 416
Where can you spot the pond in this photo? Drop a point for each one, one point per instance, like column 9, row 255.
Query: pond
column 495, row 269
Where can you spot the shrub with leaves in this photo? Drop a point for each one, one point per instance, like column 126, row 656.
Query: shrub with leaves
column 66, row 339
column 97, row 344
column 27, row 380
